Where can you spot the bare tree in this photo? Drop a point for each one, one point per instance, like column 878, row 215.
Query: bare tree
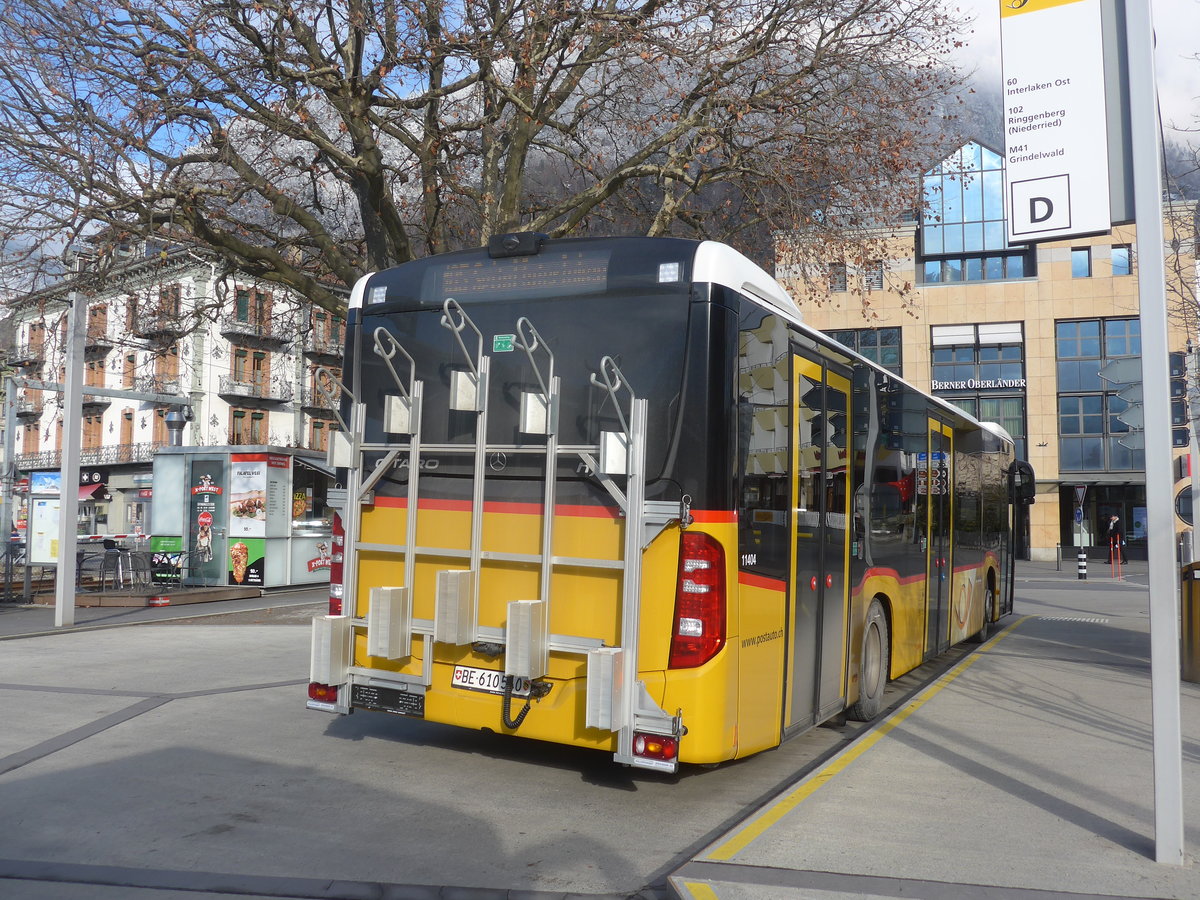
column 305, row 142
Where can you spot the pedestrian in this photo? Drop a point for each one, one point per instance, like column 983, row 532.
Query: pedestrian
column 1116, row 539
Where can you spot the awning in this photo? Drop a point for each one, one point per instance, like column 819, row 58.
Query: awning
column 86, row 490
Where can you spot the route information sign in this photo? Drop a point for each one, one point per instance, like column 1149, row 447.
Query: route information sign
column 1056, row 144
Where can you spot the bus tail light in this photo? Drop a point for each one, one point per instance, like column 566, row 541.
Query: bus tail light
column 655, row 746
column 336, row 566
column 699, row 631
column 323, row 693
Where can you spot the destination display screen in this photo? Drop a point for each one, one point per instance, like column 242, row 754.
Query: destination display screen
column 551, row 273
column 567, row 272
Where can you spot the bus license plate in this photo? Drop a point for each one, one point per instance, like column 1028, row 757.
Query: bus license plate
column 486, row 680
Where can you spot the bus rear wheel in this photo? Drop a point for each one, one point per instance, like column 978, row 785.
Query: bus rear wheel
column 872, row 665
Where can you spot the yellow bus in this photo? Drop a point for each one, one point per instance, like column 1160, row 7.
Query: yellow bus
column 612, row 493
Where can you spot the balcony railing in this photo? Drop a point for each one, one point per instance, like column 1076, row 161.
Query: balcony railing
column 158, row 384
column 152, row 323
column 103, row 456
column 27, row 355
column 29, row 409
column 323, row 345
column 256, row 328
column 98, row 338
column 315, row 403
column 257, row 389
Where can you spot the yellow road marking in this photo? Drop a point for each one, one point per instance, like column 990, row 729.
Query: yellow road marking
column 743, row 837
column 698, row 890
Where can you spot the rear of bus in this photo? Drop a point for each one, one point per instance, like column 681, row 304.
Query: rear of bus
column 530, row 607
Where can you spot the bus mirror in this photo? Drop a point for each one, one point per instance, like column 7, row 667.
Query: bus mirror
column 1023, row 483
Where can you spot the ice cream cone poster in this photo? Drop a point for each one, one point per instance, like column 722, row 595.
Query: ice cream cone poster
column 246, row 562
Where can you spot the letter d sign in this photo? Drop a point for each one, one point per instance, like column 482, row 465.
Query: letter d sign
column 1038, row 207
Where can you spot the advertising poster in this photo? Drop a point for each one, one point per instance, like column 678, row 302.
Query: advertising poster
column 45, row 482
column 166, row 559
column 248, row 495
column 247, row 557
column 43, row 538
column 206, row 519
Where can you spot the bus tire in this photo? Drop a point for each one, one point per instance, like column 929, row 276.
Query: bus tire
column 989, row 607
column 872, row 665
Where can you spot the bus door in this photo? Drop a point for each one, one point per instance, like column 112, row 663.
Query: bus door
column 820, row 500
column 935, row 472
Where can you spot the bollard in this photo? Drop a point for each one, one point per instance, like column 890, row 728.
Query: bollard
column 1082, row 564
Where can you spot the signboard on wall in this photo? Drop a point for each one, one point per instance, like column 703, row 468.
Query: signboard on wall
column 1055, row 123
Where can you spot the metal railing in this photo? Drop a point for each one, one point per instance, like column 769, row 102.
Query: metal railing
column 99, row 337
column 157, row 384
column 323, row 345
column 260, row 328
column 102, row 456
column 311, row 398
column 257, row 389
column 150, row 323
column 27, row 355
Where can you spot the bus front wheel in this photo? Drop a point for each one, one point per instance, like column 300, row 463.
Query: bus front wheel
column 872, row 665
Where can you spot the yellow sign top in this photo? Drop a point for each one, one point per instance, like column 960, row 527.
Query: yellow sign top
column 1016, row 7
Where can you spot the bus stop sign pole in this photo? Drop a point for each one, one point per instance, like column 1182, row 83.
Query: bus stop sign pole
column 1152, row 303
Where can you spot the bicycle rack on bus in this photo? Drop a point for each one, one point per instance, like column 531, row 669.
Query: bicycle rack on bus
column 616, row 700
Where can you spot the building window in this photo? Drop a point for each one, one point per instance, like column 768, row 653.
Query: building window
column 1121, row 260
column 1081, row 262
column 252, row 306
column 880, row 345
column 872, row 276
column 1090, row 432
column 318, row 436
column 837, row 278
column 962, row 233
column 981, row 369
column 93, row 432
column 170, row 298
column 159, row 432
column 247, row 426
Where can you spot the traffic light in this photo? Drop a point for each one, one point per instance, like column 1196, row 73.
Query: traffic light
column 1177, row 363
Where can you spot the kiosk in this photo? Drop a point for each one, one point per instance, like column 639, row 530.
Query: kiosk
column 245, row 516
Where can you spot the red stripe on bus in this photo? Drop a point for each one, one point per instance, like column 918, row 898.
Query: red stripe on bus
column 714, row 516
column 760, row 581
